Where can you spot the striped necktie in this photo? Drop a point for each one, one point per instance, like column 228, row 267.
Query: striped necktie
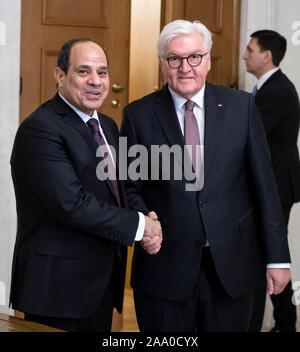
column 191, row 133
column 94, row 127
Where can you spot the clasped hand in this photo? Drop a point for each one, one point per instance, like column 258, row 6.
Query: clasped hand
column 152, row 238
column 277, row 279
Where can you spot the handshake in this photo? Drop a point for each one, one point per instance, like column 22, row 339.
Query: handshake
column 152, row 238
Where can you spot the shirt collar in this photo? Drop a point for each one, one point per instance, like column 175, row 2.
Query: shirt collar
column 265, row 77
column 179, row 101
column 82, row 115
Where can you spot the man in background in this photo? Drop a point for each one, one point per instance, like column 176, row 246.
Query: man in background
column 70, row 253
column 278, row 102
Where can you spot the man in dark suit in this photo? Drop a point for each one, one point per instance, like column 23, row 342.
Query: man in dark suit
column 70, row 252
column 278, row 102
column 204, row 275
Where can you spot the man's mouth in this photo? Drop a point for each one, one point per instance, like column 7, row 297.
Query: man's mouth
column 93, row 95
column 185, row 78
column 96, row 93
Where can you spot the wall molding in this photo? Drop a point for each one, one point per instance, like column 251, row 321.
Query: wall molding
column 255, row 15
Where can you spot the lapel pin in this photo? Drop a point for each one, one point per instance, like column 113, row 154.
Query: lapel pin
column 220, row 105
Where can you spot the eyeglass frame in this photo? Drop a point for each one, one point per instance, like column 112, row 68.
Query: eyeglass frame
column 187, row 59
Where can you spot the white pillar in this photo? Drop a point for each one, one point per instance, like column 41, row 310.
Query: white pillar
column 9, row 121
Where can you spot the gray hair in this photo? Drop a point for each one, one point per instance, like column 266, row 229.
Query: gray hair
column 182, row 27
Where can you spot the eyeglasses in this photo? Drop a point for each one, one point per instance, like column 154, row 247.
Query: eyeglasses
column 193, row 60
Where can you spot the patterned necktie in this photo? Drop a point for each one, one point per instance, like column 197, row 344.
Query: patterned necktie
column 254, row 91
column 94, row 127
column 191, row 133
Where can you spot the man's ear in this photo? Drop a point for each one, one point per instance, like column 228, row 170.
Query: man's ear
column 160, row 61
column 209, row 62
column 59, row 76
column 268, row 57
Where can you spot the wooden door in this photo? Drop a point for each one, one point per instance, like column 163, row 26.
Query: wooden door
column 222, row 18
column 47, row 24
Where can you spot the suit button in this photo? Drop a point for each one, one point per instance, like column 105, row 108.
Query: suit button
column 201, row 203
column 199, row 243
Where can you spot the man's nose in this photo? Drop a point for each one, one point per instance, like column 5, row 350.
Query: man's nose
column 94, row 79
column 185, row 67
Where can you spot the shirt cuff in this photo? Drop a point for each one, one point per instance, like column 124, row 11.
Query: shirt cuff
column 141, row 228
column 279, row 265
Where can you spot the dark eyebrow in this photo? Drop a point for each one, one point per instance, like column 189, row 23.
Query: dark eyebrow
column 82, row 66
column 89, row 67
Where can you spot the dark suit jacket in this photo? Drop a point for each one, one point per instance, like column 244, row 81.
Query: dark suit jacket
column 239, row 195
column 278, row 103
column 72, row 236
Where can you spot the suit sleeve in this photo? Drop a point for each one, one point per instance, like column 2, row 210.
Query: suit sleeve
column 272, row 108
column 41, row 166
column 271, row 218
column 134, row 189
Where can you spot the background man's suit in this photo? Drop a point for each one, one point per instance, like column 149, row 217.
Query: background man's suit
column 278, row 103
column 239, row 195
column 72, row 235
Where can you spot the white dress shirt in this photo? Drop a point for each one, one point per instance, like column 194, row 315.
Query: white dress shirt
column 199, row 113
column 85, row 118
column 265, row 77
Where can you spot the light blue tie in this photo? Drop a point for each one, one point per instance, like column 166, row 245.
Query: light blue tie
column 254, row 90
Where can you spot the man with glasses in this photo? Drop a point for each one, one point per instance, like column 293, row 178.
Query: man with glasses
column 218, row 235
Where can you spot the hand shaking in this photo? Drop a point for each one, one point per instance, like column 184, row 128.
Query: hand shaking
column 152, row 238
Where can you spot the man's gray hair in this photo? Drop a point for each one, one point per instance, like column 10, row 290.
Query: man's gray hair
column 182, row 27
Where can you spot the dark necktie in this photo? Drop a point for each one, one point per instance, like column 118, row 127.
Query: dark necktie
column 191, row 133
column 94, row 127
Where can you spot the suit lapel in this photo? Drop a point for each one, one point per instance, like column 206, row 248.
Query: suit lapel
column 270, row 81
column 72, row 119
column 167, row 118
column 112, row 142
column 109, row 136
column 214, row 110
